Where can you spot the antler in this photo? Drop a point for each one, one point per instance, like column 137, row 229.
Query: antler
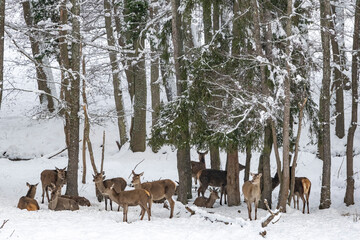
column 102, row 153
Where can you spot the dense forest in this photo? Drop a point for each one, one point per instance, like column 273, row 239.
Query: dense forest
column 217, row 76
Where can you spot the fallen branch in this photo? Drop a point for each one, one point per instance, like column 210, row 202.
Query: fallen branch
column 192, row 212
column 3, row 224
column 135, row 167
column 61, row 151
column 272, row 216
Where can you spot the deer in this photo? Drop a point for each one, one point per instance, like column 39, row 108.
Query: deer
column 302, row 189
column 58, row 203
column 214, row 178
column 28, row 202
column 198, row 166
column 119, row 184
column 57, row 177
column 135, row 197
column 252, row 192
column 207, row 202
column 159, row 189
column 81, row 201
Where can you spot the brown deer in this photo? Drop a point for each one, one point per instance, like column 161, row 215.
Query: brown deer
column 134, row 197
column 82, row 201
column 252, row 192
column 159, row 189
column 28, row 202
column 214, row 178
column 102, row 184
column 57, row 177
column 198, row 166
column 58, row 203
column 207, row 202
column 302, row 189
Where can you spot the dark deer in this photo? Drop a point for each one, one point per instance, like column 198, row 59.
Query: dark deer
column 159, row 189
column 48, row 177
column 102, row 184
column 252, row 192
column 207, row 202
column 198, row 166
column 58, row 203
column 134, row 197
column 302, row 189
column 214, row 178
column 28, row 202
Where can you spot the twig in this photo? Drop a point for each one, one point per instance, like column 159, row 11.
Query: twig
column 59, row 152
column 136, row 166
column 272, row 216
column 3, row 224
column 192, row 212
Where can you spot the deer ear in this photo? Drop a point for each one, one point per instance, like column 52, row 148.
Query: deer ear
column 64, row 169
column 252, row 174
column 133, row 172
column 27, row 184
column 103, row 172
column 57, row 169
column 141, row 174
column 36, row 184
column 260, row 174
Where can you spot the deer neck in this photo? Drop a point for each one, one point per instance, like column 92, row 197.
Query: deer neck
column 100, row 186
column 210, row 201
column 31, row 193
column 53, row 202
column 138, row 185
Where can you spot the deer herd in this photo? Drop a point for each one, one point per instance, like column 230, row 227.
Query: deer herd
column 145, row 193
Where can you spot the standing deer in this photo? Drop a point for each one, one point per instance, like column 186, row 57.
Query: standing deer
column 28, row 202
column 198, row 166
column 134, row 197
column 207, row 202
column 102, row 184
column 302, row 189
column 252, row 192
column 48, row 177
column 58, row 203
column 159, row 189
column 214, row 178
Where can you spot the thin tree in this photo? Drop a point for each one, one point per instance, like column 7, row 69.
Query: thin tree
column 325, row 199
column 183, row 152
column 118, row 95
column 350, row 182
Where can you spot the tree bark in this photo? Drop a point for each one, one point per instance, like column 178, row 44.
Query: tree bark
column 43, row 73
column 214, row 157
column 247, row 162
column 350, row 182
column 284, row 186
column 264, row 168
column 206, row 4
column 325, row 199
column 2, row 28
column 118, row 95
column 232, row 168
column 183, row 153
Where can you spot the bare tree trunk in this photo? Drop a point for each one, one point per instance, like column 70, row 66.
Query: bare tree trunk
column 247, row 162
column 2, row 28
column 183, row 154
column 350, row 182
column 118, row 95
column 73, row 102
column 232, row 168
column 43, row 74
column 325, row 199
column 214, row 157
column 206, row 4
column 284, row 186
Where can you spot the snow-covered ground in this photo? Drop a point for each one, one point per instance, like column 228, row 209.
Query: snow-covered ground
column 38, row 139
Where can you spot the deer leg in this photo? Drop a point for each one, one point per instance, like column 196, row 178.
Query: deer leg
column 249, row 209
column 297, row 202
column 307, row 202
column 256, row 206
column 47, row 194
column 303, row 199
column 125, row 207
column 43, row 192
column 293, row 197
column 142, row 212
column 148, row 210
column 105, row 203
column 172, row 204
column 110, row 204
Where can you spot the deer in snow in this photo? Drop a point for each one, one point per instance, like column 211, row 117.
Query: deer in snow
column 57, row 177
column 159, row 189
column 207, row 202
column 119, row 185
column 198, row 166
column 252, row 192
column 28, row 202
column 58, row 203
column 302, row 189
column 134, row 197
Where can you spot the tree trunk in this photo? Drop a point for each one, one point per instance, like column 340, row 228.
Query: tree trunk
column 2, row 28
column 43, row 73
column 266, row 181
column 284, row 186
column 232, row 168
column 183, row 154
column 206, row 4
column 247, row 162
column 118, row 95
column 325, row 199
column 214, row 157
column 74, row 103
column 350, row 182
